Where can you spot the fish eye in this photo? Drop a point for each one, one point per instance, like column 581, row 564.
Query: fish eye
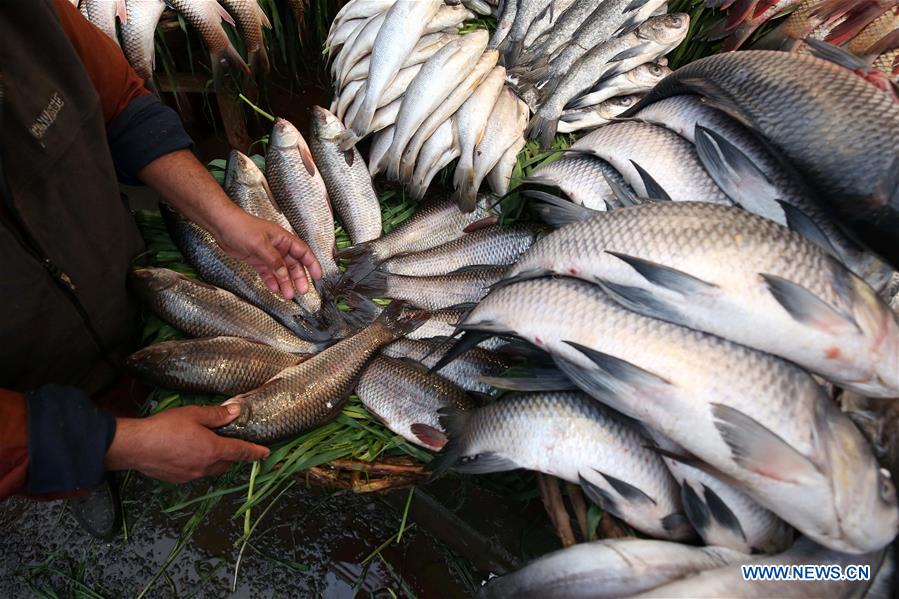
column 887, row 490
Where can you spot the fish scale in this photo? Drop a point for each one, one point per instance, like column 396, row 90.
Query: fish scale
column 138, row 35
column 725, row 404
column 583, row 178
column 202, row 310
column 222, row 365
column 571, row 436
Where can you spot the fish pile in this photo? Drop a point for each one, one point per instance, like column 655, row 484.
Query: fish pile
column 293, row 364
column 428, row 93
column 137, row 21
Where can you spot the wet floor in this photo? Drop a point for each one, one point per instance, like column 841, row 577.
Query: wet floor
column 312, row 543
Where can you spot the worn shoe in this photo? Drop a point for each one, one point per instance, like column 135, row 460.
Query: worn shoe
column 99, row 512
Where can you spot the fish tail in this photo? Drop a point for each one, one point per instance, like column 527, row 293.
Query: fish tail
column 454, row 423
column 399, row 320
column 362, row 261
column 739, row 36
column 374, row 284
column 556, row 211
column 543, row 130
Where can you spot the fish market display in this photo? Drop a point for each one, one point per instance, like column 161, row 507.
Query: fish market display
column 571, row 436
column 406, row 398
column 313, row 392
column 608, row 569
column 223, row 365
column 203, row 310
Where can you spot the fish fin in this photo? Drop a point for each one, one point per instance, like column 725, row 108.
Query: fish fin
column 543, row 380
column 697, row 511
column 263, row 18
column 225, row 15
column 629, row 53
column 466, row 341
column 306, row 157
column 543, row 130
column 259, row 63
column 624, row 195
column 310, row 328
column 429, row 435
column 359, row 303
column 626, row 490
column 740, row 11
column 482, row 223
column 362, row 263
column 631, row 23
column 776, row 39
column 736, row 175
column 722, row 514
column 799, row 221
column 758, row 449
column 665, row 276
column 399, row 319
column 712, row 94
column 557, row 212
column 634, row 5
column 229, row 56
column 853, row 25
column 677, row 522
column 526, row 275
column 346, row 139
column 454, row 423
column 653, row 189
column 620, row 370
column 639, row 300
column 120, row 11
column 373, row 285
column 836, row 55
column 807, row 308
column 599, row 496
column 485, row 463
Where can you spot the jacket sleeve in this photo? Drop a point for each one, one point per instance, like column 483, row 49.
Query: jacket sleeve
column 139, row 127
column 53, row 441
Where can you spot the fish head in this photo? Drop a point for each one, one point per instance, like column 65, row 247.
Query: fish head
column 647, row 75
column 863, row 493
column 285, row 135
column 155, row 279
column 878, row 323
column 241, row 170
column 665, row 29
column 150, row 359
column 325, row 124
column 612, row 107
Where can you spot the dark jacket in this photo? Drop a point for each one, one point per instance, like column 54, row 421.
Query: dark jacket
column 73, row 114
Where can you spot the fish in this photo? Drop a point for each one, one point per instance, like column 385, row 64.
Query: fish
column 506, row 124
column 561, row 33
column 139, row 35
column 471, row 121
column 396, row 89
column 651, row 157
column 247, row 187
column 463, row 371
column 386, row 117
column 723, row 515
column 526, row 14
column 874, row 32
column 583, row 178
column 607, row 569
column 741, row 29
column 860, row 188
column 314, row 392
column 637, row 80
column 300, row 192
column 649, row 41
column 504, row 22
column 403, row 26
column 377, row 153
column 218, row 268
column 447, row 109
column 199, row 309
column 596, row 116
column 205, row 18
column 495, row 245
column 434, row 223
column 728, row 581
column 426, row 47
column 348, row 183
column 441, row 149
column 827, row 319
column 573, row 437
column 500, row 176
column 357, row 47
column 547, row 19
column 436, row 292
column 777, row 184
column 103, row 13
column 220, row 365
column 405, row 397
column 438, row 77
column 758, row 421
column 443, row 324
column 360, row 9
column 250, row 20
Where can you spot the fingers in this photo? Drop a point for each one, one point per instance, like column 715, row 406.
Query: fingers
column 235, row 450
column 273, row 260
column 213, row 416
column 297, row 275
column 302, row 254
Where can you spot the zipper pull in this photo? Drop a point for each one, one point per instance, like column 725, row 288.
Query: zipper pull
column 59, row 274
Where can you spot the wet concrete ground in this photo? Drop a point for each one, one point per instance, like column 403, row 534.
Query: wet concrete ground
column 311, row 544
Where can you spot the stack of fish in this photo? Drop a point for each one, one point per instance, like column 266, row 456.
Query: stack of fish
column 429, row 95
column 137, row 21
column 267, row 351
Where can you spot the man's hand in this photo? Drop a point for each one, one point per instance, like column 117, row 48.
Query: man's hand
column 178, row 446
column 278, row 256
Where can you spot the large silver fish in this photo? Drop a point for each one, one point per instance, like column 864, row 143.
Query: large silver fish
column 139, row 35
column 583, row 178
column 203, row 310
column 246, row 186
column 760, row 421
column 574, row 437
column 437, row 292
column 406, row 398
column 250, row 20
column 346, row 177
column 596, row 116
column 562, row 32
column 206, row 18
column 472, row 119
column 607, row 569
column 441, row 149
column 734, row 274
column 313, row 392
column 103, row 13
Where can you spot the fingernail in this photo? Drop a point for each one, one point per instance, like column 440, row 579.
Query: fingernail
column 233, row 409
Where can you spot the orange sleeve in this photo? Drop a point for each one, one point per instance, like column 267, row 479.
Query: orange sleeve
column 13, row 442
column 115, row 81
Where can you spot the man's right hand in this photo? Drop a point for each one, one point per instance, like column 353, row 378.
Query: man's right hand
column 178, row 445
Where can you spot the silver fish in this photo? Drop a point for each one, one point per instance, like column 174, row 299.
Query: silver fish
column 571, row 436
column 346, row 178
column 638, row 80
column 103, row 13
column 607, row 569
column 562, row 32
column 504, row 22
column 377, row 153
column 596, row 116
column 246, row 186
column 528, row 11
column 250, row 21
column 471, row 121
column 396, row 89
column 426, row 47
column 441, row 149
column 406, row 397
column 436, row 292
column 500, row 176
column 139, row 34
column 582, row 177
column 206, row 18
